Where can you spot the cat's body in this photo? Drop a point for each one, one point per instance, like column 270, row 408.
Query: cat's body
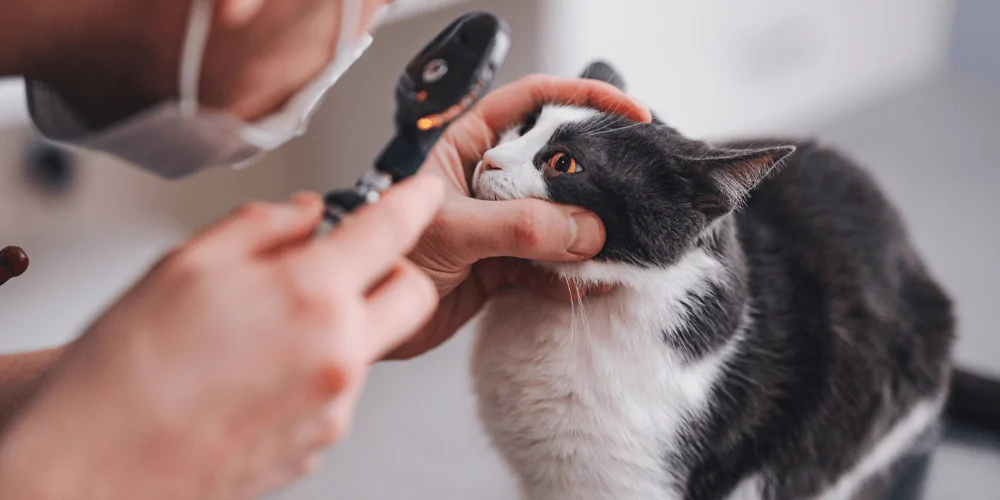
column 795, row 348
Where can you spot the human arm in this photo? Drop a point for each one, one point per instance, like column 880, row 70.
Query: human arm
column 233, row 363
column 20, row 375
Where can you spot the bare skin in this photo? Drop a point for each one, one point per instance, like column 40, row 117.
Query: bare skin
column 231, row 365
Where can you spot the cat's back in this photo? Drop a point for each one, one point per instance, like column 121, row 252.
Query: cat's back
column 821, row 200
column 839, row 285
column 821, row 233
column 828, row 218
column 824, row 218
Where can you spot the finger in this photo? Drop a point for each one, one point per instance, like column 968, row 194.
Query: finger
column 377, row 235
column 260, row 226
column 469, row 230
column 508, row 105
column 399, row 307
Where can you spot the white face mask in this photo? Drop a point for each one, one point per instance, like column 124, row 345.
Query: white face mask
column 178, row 137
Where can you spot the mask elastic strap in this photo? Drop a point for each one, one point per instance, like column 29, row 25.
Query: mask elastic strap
column 193, row 54
column 350, row 19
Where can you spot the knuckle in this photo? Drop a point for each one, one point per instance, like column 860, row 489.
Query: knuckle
column 309, row 301
column 255, row 212
column 302, row 291
column 189, row 260
column 336, row 377
column 527, row 229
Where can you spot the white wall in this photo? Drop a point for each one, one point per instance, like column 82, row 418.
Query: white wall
column 724, row 67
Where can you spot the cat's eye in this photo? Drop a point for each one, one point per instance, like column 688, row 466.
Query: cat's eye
column 563, row 163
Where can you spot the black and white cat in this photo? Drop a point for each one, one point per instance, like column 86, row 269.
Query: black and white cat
column 773, row 333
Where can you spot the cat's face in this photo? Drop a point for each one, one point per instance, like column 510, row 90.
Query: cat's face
column 655, row 190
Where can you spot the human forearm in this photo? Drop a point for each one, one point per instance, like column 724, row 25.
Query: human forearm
column 19, row 377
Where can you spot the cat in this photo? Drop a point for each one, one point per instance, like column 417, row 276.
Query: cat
column 773, row 333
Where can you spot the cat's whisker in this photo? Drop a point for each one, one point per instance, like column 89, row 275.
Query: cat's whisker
column 612, row 114
column 517, row 270
column 583, row 310
column 619, row 129
column 604, row 120
column 572, row 312
column 602, row 124
column 574, row 284
column 488, row 134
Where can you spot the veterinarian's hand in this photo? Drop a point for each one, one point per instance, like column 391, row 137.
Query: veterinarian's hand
column 487, row 233
column 233, row 363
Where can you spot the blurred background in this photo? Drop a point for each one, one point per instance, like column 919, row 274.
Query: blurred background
column 910, row 88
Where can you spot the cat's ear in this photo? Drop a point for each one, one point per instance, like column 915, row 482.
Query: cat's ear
column 600, row 70
column 726, row 179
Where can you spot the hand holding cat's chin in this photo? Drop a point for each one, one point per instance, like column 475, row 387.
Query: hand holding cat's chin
column 460, row 249
column 465, row 250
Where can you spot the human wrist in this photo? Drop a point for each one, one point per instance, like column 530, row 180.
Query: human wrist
column 32, row 468
column 46, row 455
column 79, row 437
column 20, row 376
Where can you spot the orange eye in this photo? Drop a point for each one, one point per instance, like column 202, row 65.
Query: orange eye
column 564, row 164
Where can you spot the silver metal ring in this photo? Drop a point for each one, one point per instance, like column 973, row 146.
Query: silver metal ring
column 435, row 70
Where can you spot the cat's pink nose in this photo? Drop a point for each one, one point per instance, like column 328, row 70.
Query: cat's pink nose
column 489, row 164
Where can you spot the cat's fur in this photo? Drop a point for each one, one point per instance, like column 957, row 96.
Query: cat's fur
column 773, row 334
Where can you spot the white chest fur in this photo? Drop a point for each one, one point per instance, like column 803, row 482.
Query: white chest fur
column 585, row 401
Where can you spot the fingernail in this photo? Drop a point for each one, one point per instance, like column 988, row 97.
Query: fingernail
column 587, row 234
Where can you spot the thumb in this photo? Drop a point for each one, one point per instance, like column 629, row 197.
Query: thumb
column 528, row 229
